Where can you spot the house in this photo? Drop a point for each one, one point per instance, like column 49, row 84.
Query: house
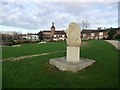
column 9, row 32
column 10, row 35
column 103, row 34
column 86, row 34
column 118, row 31
column 30, row 36
column 94, row 34
column 46, row 35
column 59, row 36
column 54, row 35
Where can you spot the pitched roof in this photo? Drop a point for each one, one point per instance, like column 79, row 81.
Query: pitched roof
column 104, row 30
column 94, row 31
column 60, row 32
column 32, row 34
column 86, row 31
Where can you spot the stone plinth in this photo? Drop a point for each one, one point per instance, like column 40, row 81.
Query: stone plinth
column 72, row 61
column 73, row 54
column 63, row 64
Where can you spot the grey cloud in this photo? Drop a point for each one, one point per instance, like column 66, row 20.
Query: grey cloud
column 40, row 15
column 119, row 14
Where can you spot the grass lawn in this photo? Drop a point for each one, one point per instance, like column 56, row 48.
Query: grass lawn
column 29, row 49
column 37, row 73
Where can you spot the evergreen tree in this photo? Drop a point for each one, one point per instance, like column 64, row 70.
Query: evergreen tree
column 117, row 36
column 112, row 33
column 40, row 35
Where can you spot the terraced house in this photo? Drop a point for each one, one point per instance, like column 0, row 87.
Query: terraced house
column 97, row 34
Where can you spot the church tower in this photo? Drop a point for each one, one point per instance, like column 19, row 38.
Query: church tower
column 52, row 29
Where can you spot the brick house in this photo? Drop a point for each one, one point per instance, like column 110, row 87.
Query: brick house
column 94, row 34
column 54, row 35
column 103, row 34
column 118, row 31
column 85, row 34
column 46, row 35
column 59, row 36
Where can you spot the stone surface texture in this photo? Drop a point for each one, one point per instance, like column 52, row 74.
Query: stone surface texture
column 72, row 61
column 115, row 43
column 62, row 64
column 73, row 54
column 73, row 35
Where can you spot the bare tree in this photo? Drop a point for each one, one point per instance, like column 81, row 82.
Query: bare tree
column 85, row 24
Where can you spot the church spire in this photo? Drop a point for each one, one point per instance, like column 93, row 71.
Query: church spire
column 52, row 29
column 53, row 25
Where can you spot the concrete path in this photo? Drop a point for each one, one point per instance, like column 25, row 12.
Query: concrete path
column 114, row 43
column 30, row 56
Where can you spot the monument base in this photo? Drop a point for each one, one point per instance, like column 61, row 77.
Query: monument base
column 73, row 54
column 63, row 64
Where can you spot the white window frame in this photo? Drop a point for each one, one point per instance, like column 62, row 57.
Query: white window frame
column 55, row 35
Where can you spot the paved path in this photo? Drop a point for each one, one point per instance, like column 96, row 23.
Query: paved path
column 114, row 43
column 30, row 56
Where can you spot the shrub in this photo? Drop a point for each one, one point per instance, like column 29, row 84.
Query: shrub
column 26, row 41
column 35, row 41
column 9, row 42
column 111, row 34
column 117, row 36
column 104, row 38
column 17, row 42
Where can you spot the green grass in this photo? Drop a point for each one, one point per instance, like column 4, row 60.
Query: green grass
column 29, row 49
column 37, row 73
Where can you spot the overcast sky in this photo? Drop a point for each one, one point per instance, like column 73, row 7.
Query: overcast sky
column 34, row 16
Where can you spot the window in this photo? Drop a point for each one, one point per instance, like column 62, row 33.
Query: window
column 54, row 35
column 63, row 35
column 100, row 33
column 84, row 35
column 92, row 34
column 100, row 37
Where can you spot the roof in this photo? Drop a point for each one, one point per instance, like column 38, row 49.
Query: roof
column 94, row 31
column 32, row 34
column 105, row 30
column 53, row 27
column 60, row 32
column 116, row 28
column 86, row 31
column 23, row 34
column 9, row 32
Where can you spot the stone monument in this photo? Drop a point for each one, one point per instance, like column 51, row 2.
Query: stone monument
column 72, row 61
column 73, row 43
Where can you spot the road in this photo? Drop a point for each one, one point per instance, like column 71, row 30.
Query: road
column 114, row 43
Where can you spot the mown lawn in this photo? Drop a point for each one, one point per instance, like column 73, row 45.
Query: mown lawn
column 29, row 49
column 37, row 73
